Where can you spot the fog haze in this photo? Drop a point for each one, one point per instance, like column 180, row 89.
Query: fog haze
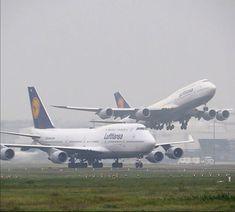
column 80, row 52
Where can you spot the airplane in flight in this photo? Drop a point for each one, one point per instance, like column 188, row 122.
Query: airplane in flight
column 88, row 146
column 180, row 107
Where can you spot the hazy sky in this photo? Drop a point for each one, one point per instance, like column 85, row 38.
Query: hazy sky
column 80, row 52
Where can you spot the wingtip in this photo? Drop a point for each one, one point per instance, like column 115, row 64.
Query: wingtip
column 58, row 106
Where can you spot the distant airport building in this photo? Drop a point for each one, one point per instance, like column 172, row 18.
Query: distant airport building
column 218, row 149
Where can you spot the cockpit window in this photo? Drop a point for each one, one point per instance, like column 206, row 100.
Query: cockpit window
column 141, row 128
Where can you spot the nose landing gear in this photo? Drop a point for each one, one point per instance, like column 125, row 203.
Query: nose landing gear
column 205, row 108
column 138, row 164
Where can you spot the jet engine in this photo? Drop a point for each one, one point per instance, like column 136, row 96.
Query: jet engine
column 105, row 113
column 6, row 153
column 142, row 114
column 58, row 156
column 208, row 115
column 174, row 153
column 155, row 157
column 222, row 115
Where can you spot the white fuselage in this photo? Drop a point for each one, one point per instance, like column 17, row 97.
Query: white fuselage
column 191, row 96
column 113, row 141
column 178, row 104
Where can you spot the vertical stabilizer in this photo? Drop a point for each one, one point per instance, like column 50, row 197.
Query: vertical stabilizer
column 120, row 101
column 41, row 119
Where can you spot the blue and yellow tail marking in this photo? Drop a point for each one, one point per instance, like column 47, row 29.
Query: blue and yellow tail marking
column 120, row 101
column 41, row 119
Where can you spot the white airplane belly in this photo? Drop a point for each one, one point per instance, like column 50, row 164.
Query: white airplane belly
column 128, row 149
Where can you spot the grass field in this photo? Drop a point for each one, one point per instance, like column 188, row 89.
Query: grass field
column 164, row 188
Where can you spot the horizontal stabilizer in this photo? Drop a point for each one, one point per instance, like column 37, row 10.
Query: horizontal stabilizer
column 20, row 134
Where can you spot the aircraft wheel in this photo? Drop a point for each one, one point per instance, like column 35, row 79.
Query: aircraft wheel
column 138, row 164
column 117, row 165
column 205, row 108
column 161, row 127
column 101, row 165
column 120, row 165
column 97, row 165
column 183, row 127
column 81, row 165
column 157, row 127
column 114, row 165
column 71, row 165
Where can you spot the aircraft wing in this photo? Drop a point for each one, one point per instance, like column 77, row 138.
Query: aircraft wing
column 46, row 148
column 21, row 134
column 190, row 140
column 117, row 112
column 89, row 109
column 159, row 111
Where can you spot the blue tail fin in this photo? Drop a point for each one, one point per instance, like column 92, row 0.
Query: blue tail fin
column 120, row 101
column 41, row 119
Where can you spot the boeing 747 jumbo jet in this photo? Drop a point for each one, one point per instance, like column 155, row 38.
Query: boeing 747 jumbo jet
column 88, row 146
column 178, row 107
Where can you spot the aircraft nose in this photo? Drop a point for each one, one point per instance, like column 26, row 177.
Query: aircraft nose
column 151, row 140
column 212, row 88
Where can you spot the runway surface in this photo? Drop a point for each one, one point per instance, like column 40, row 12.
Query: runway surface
column 155, row 187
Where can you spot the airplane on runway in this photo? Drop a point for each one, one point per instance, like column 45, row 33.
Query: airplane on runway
column 88, row 146
column 180, row 107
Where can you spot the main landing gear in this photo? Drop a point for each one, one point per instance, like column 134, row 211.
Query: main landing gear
column 184, row 125
column 97, row 164
column 170, row 126
column 116, row 164
column 159, row 127
column 73, row 164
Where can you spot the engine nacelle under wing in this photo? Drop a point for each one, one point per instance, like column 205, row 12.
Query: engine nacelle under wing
column 174, row 152
column 105, row 113
column 222, row 115
column 58, row 156
column 142, row 114
column 155, row 157
column 208, row 115
column 6, row 153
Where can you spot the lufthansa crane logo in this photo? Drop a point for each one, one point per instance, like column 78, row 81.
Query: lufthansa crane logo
column 121, row 103
column 35, row 107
